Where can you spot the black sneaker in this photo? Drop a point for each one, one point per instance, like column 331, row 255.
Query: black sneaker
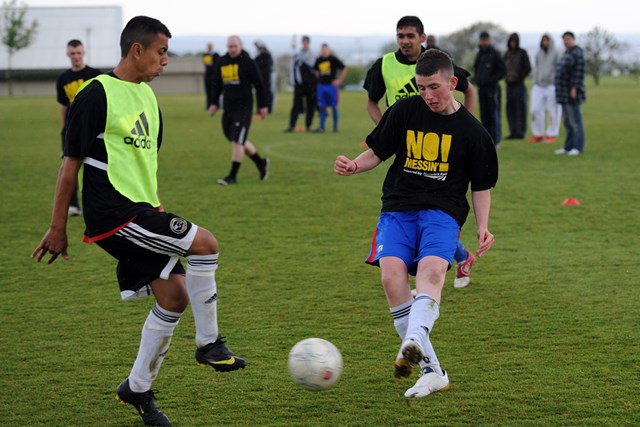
column 264, row 169
column 288, row 130
column 227, row 180
column 145, row 403
column 219, row 357
column 319, row 130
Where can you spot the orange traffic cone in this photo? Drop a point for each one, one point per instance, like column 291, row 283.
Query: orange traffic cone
column 571, row 202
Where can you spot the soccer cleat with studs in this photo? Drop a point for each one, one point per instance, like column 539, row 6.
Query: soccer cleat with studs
column 219, row 357
column 145, row 404
column 410, row 355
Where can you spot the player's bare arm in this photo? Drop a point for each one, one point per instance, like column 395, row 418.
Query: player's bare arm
column 63, row 115
column 374, row 111
column 367, row 160
column 338, row 81
column 481, row 206
column 55, row 241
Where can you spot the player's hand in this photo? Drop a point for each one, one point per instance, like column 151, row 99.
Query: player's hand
column 343, row 166
column 263, row 112
column 213, row 110
column 55, row 243
column 485, row 240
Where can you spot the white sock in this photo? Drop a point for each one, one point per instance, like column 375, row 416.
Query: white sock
column 400, row 316
column 201, row 286
column 424, row 313
column 154, row 344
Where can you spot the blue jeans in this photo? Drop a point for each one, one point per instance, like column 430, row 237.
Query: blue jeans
column 572, row 117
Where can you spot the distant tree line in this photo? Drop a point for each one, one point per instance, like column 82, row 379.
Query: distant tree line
column 603, row 53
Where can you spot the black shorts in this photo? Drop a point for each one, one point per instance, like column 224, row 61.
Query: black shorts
column 235, row 125
column 148, row 248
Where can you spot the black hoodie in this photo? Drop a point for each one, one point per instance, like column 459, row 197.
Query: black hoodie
column 517, row 61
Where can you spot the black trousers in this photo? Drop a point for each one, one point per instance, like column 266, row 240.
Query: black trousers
column 304, row 101
column 517, row 109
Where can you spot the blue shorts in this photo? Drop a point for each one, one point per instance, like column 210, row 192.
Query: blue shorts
column 327, row 96
column 413, row 235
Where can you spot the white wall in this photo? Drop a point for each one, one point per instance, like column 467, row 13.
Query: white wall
column 98, row 28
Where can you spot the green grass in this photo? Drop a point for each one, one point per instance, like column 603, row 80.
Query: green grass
column 546, row 334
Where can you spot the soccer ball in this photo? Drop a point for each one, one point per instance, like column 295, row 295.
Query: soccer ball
column 315, row 364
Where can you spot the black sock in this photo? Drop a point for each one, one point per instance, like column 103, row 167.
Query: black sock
column 234, row 169
column 257, row 159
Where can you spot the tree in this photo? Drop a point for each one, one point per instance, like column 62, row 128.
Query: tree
column 16, row 34
column 282, row 68
column 600, row 52
column 462, row 45
column 388, row 47
column 355, row 75
column 633, row 69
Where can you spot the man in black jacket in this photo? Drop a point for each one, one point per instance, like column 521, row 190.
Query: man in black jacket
column 264, row 60
column 518, row 66
column 235, row 76
column 209, row 59
column 489, row 69
column 304, row 86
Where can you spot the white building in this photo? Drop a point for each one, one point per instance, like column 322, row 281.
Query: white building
column 98, row 28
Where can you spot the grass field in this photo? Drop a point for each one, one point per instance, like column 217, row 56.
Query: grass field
column 546, row 334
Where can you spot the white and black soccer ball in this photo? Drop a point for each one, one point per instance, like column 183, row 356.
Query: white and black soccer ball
column 315, row 364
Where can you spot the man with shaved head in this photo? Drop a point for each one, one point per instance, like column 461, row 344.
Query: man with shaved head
column 235, row 76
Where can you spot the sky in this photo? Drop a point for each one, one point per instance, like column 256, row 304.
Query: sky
column 357, row 18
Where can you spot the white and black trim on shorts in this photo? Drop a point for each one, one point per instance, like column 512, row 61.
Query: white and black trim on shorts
column 154, row 242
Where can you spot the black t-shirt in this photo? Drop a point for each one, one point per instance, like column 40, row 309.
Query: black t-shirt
column 328, row 68
column 104, row 208
column 70, row 81
column 436, row 158
column 376, row 88
column 234, row 78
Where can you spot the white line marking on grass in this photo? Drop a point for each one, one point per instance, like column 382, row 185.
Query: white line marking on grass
column 269, row 149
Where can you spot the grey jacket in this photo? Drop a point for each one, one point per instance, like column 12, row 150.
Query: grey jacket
column 545, row 67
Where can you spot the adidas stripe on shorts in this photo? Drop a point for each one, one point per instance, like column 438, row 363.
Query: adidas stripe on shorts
column 148, row 248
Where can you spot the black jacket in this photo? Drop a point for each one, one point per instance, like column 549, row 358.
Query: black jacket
column 517, row 61
column 488, row 66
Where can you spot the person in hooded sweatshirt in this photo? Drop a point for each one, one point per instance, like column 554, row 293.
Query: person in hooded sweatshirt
column 489, row 69
column 545, row 111
column 518, row 66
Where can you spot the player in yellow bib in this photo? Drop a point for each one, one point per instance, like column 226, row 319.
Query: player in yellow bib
column 115, row 129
